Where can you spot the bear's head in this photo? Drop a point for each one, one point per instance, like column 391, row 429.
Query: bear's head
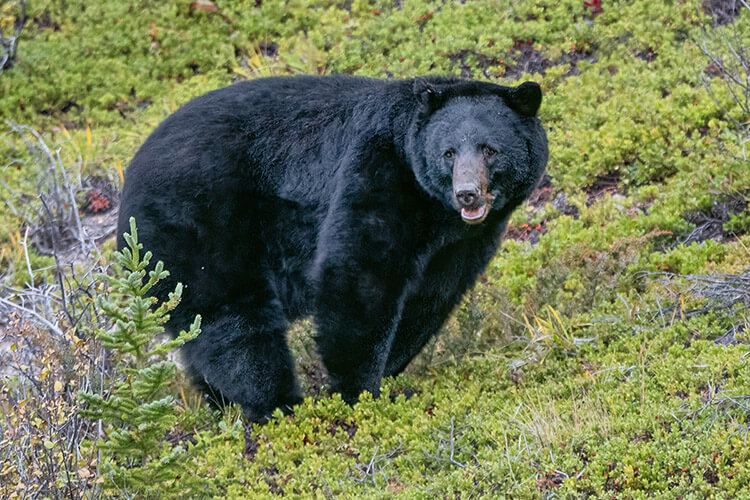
column 476, row 145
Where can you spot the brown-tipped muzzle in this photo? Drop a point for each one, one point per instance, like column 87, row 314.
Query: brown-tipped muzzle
column 470, row 189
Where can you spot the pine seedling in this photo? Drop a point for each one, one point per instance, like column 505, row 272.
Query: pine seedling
column 138, row 413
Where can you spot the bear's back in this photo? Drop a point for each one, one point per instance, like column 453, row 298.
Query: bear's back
column 252, row 132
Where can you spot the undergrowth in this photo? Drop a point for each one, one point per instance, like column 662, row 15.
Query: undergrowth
column 604, row 352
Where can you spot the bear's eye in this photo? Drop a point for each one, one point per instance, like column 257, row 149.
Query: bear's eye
column 488, row 151
column 449, row 154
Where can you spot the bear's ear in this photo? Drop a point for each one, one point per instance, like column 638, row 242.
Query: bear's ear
column 427, row 95
column 525, row 99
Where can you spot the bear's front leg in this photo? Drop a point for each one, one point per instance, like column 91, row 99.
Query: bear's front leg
column 362, row 266
column 358, row 308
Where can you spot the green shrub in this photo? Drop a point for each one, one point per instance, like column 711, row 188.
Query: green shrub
column 138, row 413
column 581, row 365
column 738, row 223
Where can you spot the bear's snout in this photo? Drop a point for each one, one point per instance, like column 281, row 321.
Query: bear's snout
column 470, row 189
column 467, row 195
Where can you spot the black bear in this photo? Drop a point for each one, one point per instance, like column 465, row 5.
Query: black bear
column 371, row 205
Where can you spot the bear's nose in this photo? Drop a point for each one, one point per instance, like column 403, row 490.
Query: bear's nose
column 467, row 195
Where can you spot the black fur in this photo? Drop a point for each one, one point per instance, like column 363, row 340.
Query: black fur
column 279, row 198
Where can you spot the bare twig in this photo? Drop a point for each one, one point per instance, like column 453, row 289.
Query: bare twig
column 373, row 466
column 729, row 63
column 9, row 44
column 726, row 295
column 36, row 315
column 450, row 443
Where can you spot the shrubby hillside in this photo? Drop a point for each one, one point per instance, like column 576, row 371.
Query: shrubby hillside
column 604, row 353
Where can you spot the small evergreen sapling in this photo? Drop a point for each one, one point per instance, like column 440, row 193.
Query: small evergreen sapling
column 138, row 413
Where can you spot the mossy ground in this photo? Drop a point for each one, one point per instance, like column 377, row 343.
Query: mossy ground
column 581, row 365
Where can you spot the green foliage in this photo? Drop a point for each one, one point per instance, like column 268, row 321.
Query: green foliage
column 689, row 259
column 571, row 370
column 738, row 223
column 139, row 412
column 641, row 417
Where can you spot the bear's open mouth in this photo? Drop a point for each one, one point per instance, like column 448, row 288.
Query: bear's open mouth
column 474, row 215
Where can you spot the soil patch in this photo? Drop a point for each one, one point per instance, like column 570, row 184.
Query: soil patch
column 542, row 193
column 338, row 424
column 545, row 193
column 648, row 54
column 485, row 62
column 101, row 196
column 572, row 58
column 709, row 224
column 722, row 11
column 316, row 378
column 523, row 58
column 608, row 183
column 527, row 232
column 44, row 21
column 526, row 59
column 269, row 49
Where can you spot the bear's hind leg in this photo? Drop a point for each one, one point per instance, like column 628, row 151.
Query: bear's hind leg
column 241, row 355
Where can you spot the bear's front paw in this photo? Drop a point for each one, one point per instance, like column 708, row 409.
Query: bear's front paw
column 350, row 390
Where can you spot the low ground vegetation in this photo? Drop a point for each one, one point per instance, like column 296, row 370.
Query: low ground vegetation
column 604, row 353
